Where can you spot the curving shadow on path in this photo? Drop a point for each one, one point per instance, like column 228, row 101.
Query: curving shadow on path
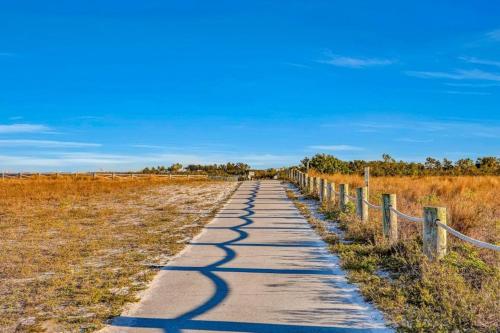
column 188, row 321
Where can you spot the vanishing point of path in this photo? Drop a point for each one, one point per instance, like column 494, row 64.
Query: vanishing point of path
column 257, row 267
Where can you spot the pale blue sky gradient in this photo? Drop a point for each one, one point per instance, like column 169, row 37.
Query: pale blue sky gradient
column 89, row 85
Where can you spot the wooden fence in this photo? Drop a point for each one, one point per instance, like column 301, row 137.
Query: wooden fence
column 108, row 175
column 434, row 227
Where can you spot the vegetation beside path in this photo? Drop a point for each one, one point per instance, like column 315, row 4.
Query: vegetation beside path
column 73, row 252
column 458, row 294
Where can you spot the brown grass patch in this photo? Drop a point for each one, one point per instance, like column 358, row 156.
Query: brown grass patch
column 74, row 251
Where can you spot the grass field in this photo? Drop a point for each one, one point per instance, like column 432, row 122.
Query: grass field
column 73, row 252
column 472, row 202
column 460, row 293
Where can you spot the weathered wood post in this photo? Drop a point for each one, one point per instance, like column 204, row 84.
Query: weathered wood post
column 331, row 191
column 314, row 186
column 94, row 175
column 320, row 190
column 113, row 175
column 324, row 191
column 20, row 175
column 343, row 200
column 434, row 237
column 361, row 205
column 328, row 194
column 389, row 218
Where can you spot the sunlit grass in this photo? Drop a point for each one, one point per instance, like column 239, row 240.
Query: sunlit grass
column 73, row 252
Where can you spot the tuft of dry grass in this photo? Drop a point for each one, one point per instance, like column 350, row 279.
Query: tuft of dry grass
column 73, row 252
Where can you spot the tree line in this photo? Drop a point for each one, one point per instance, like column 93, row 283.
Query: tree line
column 209, row 169
column 388, row 166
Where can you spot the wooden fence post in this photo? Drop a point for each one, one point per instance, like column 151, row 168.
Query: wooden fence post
column 328, row 193
column 324, row 191
column 311, row 186
column 434, row 237
column 331, row 196
column 389, row 218
column 320, row 189
column 361, row 206
column 343, row 189
column 317, row 188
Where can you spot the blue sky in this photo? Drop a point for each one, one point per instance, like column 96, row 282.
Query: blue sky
column 89, row 85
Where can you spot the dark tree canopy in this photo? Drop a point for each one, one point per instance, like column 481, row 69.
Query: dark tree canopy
column 388, row 166
column 211, row 169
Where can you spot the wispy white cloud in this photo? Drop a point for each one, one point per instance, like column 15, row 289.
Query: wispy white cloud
column 473, row 74
column 412, row 140
column 472, row 85
column 474, row 60
column 23, row 128
column 148, row 146
column 46, row 144
column 450, row 128
column 336, row 147
column 109, row 161
column 494, row 35
column 459, row 92
column 352, row 62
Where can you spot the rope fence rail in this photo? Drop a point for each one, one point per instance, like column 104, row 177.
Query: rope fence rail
column 468, row 239
column 433, row 222
column 372, row 205
column 405, row 216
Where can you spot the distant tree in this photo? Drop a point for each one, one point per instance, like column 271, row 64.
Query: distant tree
column 388, row 166
column 432, row 164
column 387, row 158
column 328, row 164
column 175, row 167
column 488, row 164
column 447, row 164
column 465, row 166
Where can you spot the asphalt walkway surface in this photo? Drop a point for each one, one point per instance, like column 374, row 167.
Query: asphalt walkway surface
column 257, row 267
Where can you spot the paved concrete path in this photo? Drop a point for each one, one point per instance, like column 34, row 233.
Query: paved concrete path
column 257, row 267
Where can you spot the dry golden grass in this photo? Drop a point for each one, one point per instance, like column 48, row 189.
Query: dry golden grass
column 472, row 202
column 460, row 293
column 74, row 251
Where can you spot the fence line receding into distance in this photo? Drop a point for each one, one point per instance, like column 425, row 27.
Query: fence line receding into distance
column 434, row 227
column 111, row 175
